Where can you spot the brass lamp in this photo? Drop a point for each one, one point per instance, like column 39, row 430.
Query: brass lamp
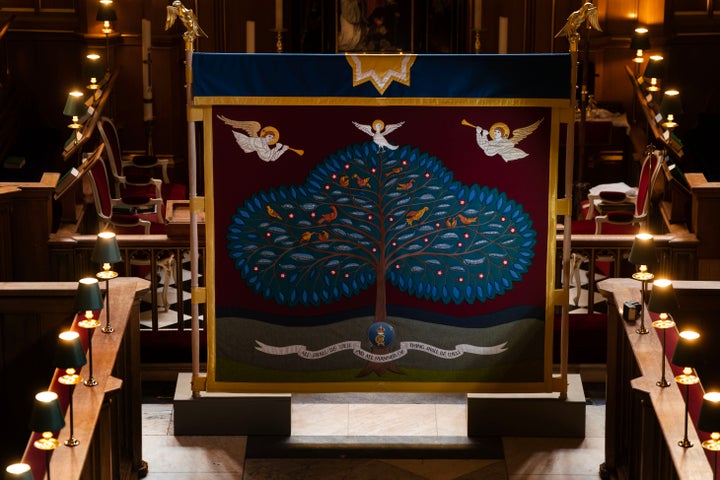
column 709, row 421
column 93, row 70
column 654, row 71
column 87, row 299
column 643, row 255
column 18, row 471
column 664, row 302
column 106, row 14
column 106, row 252
column 46, row 418
column 687, row 354
column 70, row 356
column 75, row 108
column 670, row 107
column 639, row 41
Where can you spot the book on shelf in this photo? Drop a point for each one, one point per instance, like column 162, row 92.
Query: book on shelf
column 67, row 178
column 14, row 162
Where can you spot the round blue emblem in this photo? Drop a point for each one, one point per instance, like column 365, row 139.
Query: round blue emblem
column 381, row 334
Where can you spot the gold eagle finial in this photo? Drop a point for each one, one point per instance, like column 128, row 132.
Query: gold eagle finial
column 587, row 13
column 188, row 18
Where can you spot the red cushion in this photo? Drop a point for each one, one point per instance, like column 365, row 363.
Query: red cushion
column 610, row 196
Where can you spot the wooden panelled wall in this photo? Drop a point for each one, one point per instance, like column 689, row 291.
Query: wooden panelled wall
column 52, row 41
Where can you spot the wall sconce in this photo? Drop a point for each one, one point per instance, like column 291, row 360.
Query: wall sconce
column 106, row 252
column 46, row 418
column 654, row 71
column 670, row 106
column 87, row 299
column 664, row 302
column 19, row 471
column 75, row 108
column 643, row 256
column 687, row 355
column 70, row 356
column 709, row 421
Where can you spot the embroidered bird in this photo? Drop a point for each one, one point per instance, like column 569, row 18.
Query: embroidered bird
column 377, row 131
column 362, row 182
column 328, row 217
column 406, row 186
column 324, row 235
column 575, row 20
column 306, row 236
column 466, row 220
column 344, row 181
column 451, row 222
column 414, row 216
column 394, row 171
column 272, row 212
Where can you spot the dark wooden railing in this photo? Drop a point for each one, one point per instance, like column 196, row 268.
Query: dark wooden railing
column 643, row 422
column 107, row 418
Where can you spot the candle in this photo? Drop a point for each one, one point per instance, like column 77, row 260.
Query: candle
column 146, row 73
column 477, row 15
column 278, row 14
column 502, row 34
column 250, row 36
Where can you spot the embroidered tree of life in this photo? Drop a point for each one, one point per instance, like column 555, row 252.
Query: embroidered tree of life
column 371, row 216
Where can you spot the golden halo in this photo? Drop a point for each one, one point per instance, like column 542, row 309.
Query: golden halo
column 382, row 125
column 270, row 131
column 503, row 127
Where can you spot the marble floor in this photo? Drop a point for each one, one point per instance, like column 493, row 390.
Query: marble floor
column 225, row 457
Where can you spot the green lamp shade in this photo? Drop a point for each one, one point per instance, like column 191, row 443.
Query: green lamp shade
column 687, row 351
column 643, row 251
column 46, row 414
column 640, row 39
column 709, row 419
column 69, row 352
column 93, row 67
column 662, row 297
column 106, row 249
column 88, row 296
column 106, row 12
column 19, row 471
column 654, row 67
column 75, row 105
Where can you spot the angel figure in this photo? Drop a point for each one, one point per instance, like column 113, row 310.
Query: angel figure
column 188, row 18
column 377, row 131
column 576, row 19
column 263, row 141
column 500, row 142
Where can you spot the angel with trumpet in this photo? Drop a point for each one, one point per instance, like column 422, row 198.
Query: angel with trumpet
column 261, row 140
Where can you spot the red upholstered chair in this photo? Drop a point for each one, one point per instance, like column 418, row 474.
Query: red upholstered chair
column 130, row 214
column 134, row 177
column 623, row 208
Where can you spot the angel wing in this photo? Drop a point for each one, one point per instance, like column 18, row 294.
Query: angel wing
column 520, row 134
column 171, row 16
column 365, row 128
column 244, row 142
column 250, row 127
column 392, row 127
